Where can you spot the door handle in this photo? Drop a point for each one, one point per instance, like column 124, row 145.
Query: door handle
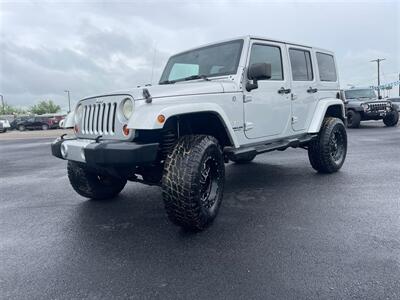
column 311, row 90
column 282, row 90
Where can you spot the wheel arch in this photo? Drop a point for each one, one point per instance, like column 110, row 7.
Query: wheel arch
column 327, row 108
column 204, row 118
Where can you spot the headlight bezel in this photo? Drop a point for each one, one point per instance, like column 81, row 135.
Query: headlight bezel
column 365, row 106
column 127, row 104
column 78, row 113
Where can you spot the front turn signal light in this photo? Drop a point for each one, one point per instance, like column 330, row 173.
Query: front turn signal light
column 161, row 118
column 125, row 130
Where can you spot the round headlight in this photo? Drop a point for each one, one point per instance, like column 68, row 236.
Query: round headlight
column 127, row 108
column 365, row 106
column 78, row 114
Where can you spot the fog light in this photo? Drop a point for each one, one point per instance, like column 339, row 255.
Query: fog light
column 64, row 150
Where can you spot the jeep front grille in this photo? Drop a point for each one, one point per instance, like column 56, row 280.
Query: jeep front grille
column 377, row 106
column 99, row 118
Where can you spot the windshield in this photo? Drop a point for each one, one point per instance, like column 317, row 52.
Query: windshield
column 215, row 60
column 362, row 93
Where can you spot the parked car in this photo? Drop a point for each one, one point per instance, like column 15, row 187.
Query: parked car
column 228, row 101
column 34, row 123
column 363, row 104
column 18, row 120
column 4, row 125
column 396, row 101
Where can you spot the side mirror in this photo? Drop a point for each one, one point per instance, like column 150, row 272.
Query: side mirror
column 260, row 71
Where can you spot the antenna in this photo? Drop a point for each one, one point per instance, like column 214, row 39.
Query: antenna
column 154, row 60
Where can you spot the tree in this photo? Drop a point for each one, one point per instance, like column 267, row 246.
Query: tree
column 45, row 107
column 11, row 110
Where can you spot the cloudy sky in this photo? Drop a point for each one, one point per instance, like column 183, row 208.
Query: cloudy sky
column 90, row 47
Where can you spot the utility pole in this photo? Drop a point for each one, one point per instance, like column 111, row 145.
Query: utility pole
column 69, row 101
column 2, row 104
column 378, row 61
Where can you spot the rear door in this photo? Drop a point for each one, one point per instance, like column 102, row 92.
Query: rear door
column 266, row 110
column 303, row 86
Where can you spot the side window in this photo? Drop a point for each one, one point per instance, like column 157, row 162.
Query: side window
column 326, row 67
column 300, row 61
column 268, row 54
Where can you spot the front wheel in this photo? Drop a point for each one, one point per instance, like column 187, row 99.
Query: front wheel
column 21, row 127
column 45, row 127
column 327, row 152
column 353, row 119
column 90, row 184
column 391, row 119
column 193, row 182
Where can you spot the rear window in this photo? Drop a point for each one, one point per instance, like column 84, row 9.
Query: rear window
column 326, row 67
column 300, row 61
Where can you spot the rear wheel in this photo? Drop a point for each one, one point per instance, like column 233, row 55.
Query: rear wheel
column 353, row 119
column 391, row 118
column 45, row 127
column 21, row 127
column 327, row 152
column 193, row 182
column 90, row 184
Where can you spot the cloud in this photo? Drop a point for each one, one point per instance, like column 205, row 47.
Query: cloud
column 94, row 47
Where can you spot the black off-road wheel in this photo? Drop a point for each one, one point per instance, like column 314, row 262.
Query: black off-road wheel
column 327, row 152
column 391, row 118
column 193, row 182
column 353, row 119
column 90, row 184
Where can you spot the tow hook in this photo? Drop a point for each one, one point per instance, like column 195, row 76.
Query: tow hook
column 97, row 140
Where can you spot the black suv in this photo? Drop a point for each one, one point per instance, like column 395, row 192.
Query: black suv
column 362, row 104
column 31, row 123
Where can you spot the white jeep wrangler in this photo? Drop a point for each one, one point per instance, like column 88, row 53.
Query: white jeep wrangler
column 227, row 101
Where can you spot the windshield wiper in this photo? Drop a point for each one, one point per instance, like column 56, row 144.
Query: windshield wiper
column 193, row 77
column 167, row 82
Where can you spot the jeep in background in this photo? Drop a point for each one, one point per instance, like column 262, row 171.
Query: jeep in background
column 228, row 101
column 362, row 104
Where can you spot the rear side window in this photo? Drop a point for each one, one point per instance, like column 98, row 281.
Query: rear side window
column 300, row 61
column 270, row 55
column 326, row 67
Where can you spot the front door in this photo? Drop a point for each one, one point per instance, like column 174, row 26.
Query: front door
column 267, row 109
column 303, row 87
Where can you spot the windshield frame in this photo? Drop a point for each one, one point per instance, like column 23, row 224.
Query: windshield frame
column 354, row 90
column 168, row 67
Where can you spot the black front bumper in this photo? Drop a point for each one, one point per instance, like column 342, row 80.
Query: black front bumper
column 375, row 115
column 112, row 153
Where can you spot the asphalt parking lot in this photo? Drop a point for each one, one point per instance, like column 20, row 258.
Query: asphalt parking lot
column 283, row 232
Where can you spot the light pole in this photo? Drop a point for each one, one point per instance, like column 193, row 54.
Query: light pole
column 2, row 104
column 69, row 101
column 378, row 61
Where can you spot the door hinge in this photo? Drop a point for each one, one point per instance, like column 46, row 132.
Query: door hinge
column 248, row 126
column 247, row 98
column 294, row 120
